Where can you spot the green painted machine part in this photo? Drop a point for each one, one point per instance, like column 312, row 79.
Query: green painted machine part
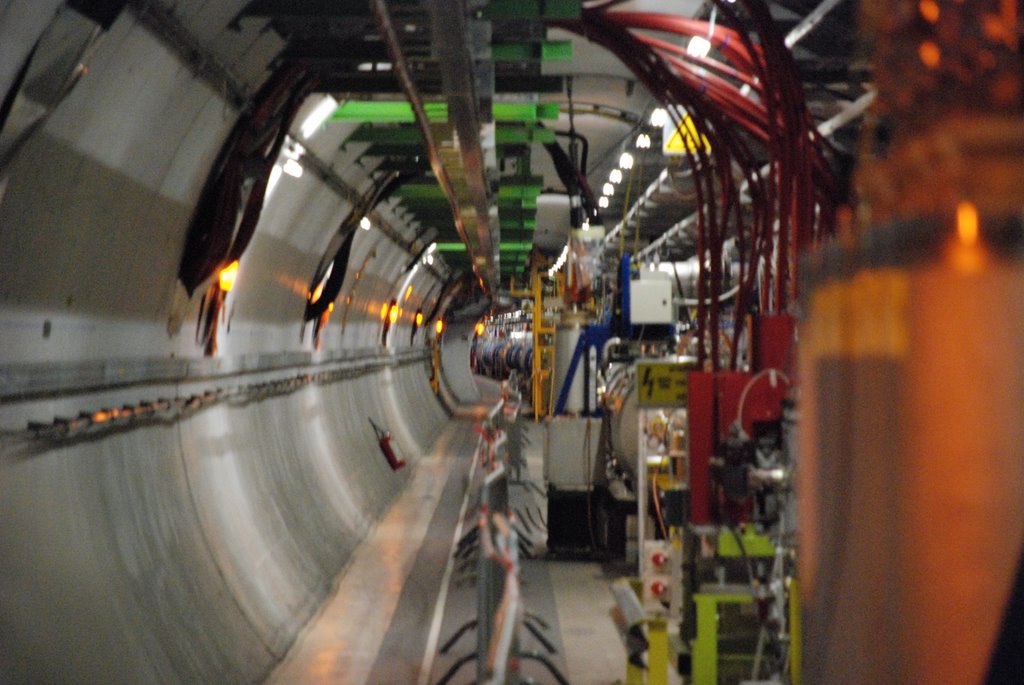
column 755, row 544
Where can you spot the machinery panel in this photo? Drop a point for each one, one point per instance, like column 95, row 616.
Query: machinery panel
column 570, row 453
column 651, row 302
column 662, row 383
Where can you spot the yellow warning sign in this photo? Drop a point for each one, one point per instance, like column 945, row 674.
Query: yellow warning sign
column 678, row 140
column 662, row 384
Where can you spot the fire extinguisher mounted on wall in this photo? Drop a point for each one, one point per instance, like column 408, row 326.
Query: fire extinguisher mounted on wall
column 384, row 441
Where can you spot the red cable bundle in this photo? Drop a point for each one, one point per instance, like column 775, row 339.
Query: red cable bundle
column 792, row 201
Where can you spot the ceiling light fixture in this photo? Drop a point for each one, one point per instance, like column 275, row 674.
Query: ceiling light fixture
column 615, row 176
column 318, row 116
column 626, row 161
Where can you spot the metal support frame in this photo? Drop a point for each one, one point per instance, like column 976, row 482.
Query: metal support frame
column 705, row 646
column 459, row 76
column 543, row 352
column 810, row 22
column 402, row 72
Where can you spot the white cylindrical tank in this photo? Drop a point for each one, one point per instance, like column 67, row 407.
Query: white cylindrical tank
column 567, row 334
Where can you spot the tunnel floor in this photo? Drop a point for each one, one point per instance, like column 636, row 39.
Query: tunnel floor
column 379, row 628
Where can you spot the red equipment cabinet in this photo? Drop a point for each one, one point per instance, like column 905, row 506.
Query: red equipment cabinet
column 714, row 405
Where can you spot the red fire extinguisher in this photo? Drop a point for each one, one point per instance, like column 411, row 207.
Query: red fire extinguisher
column 384, row 441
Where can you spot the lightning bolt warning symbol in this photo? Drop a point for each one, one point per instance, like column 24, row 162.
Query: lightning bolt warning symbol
column 647, row 383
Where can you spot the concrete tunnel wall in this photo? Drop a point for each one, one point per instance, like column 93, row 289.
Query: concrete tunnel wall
column 190, row 548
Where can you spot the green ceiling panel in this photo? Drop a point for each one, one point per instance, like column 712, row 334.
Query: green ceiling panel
column 390, row 111
column 509, row 134
column 393, row 111
column 532, row 51
column 532, row 9
column 513, row 204
column 556, row 50
column 512, row 224
column 391, row 135
column 451, row 247
column 519, row 187
column 422, row 191
column 524, row 111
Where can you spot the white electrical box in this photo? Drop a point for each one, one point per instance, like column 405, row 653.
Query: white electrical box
column 650, row 302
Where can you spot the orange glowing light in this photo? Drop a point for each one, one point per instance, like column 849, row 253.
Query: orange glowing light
column 967, row 254
column 439, row 326
column 480, row 328
column 967, row 224
column 408, row 292
column 393, row 314
column 330, row 307
column 930, row 54
column 929, row 10
column 315, row 295
column 384, row 311
column 419, row 318
column 228, row 276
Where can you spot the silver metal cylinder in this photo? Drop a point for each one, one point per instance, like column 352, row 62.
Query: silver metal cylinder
column 567, row 335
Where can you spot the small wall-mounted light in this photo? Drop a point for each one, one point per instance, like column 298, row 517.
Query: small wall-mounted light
column 967, row 224
column 419, row 319
column 228, row 276
column 699, row 46
column 480, row 328
column 439, row 326
column 384, row 311
column 365, row 224
column 293, row 168
column 393, row 314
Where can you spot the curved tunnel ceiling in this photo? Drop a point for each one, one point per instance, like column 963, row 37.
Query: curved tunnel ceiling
column 170, row 464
